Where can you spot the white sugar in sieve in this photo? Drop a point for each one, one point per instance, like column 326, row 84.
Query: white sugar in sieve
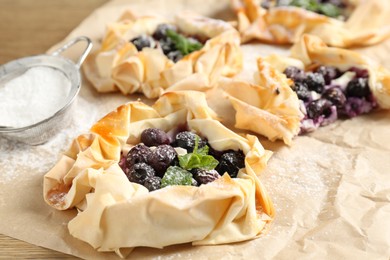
column 41, row 131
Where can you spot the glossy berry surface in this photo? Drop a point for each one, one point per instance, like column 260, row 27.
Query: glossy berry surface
column 161, row 31
column 153, row 183
column 187, row 139
column 231, row 162
column 205, row 176
column 329, row 73
column 174, row 55
column 294, row 73
column 335, row 96
column 142, row 41
column 302, row 90
column 139, row 172
column 315, row 82
column 154, row 137
column 137, row 154
column 161, row 158
column 358, row 87
column 318, row 108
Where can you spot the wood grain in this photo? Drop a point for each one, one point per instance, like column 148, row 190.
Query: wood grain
column 28, row 28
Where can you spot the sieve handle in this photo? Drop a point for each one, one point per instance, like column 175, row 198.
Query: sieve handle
column 73, row 42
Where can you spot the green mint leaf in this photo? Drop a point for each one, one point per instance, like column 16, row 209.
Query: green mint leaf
column 176, row 176
column 208, row 162
column 183, row 44
column 204, row 150
column 189, row 161
column 199, row 158
column 330, row 10
column 311, row 5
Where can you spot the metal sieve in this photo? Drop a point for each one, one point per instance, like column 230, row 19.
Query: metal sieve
column 42, row 131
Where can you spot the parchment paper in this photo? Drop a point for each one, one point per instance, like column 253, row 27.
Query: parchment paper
column 331, row 189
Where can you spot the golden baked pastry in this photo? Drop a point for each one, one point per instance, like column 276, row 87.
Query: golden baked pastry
column 118, row 215
column 151, row 55
column 354, row 22
column 313, row 87
column 269, row 107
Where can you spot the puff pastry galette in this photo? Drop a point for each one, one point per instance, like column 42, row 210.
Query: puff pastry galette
column 313, row 87
column 339, row 23
column 151, row 55
column 161, row 175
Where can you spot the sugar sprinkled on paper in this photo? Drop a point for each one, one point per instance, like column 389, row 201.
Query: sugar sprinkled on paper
column 33, row 96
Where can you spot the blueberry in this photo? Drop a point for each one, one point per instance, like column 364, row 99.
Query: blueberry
column 137, row 154
column 167, row 45
column 205, row 176
column 161, row 158
column 161, row 31
column 231, row 162
column 142, row 41
column 294, row 73
column 175, row 56
column 153, row 183
column 302, row 90
column 187, row 139
column 154, row 137
column 336, row 96
column 315, row 81
column 329, row 73
column 358, row 87
column 318, row 108
column 139, row 172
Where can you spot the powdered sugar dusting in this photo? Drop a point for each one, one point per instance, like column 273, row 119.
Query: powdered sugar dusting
column 18, row 159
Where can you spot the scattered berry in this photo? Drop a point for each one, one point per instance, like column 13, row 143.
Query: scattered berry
column 142, row 41
column 318, row 108
column 329, row 73
column 139, row 172
column 187, row 139
column 137, row 154
column 336, row 96
column 231, row 162
column 205, row 176
column 161, row 31
column 358, row 87
column 153, row 183
column 154, row 137
column 302, row 90
column 315, row 81
column 161, row 158
column 294, row 73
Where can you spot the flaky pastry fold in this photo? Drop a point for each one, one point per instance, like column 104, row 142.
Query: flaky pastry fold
column 368, row 24
column 271, row 108
column 118, row 215
column 117, row 65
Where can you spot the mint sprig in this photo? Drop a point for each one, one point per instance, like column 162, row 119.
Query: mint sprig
column 327, row 9
column 176, row 176
column 183, row 44
column 199, row 158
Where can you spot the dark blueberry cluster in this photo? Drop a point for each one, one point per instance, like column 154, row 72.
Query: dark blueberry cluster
column 147, row 163
column 170, row 46
column 328, row 93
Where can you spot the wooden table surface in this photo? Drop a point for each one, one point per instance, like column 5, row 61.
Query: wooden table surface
column 27, row 28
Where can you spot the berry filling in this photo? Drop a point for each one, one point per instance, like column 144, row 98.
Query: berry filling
column 327, row 94
column 172, row 43
column 184, row 159
column 330, row 8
